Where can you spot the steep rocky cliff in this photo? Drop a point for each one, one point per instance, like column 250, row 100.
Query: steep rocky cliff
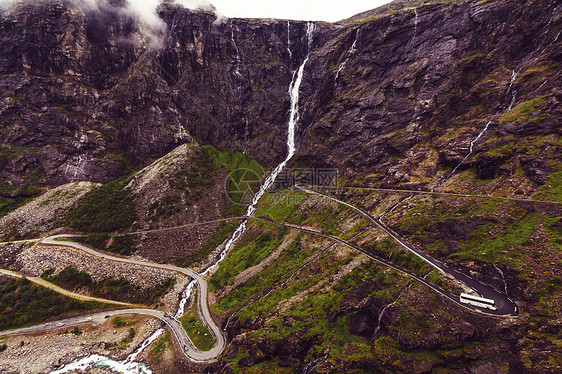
column 403, row 99
column 85, row 95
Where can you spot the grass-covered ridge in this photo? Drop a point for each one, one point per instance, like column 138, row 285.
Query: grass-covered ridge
column 8, row 204
column 107, row 208
column 196, row 330
column 23, row 304
column 108, row 288
column 219, row 236
column 239, row 168
column 121, row 244
column 244, row 256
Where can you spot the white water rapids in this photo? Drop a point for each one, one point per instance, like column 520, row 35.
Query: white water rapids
column 129, row 366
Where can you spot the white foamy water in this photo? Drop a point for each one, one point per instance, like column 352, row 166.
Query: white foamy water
column 350, row 52
column 289, row 40
column 185, row 296
column 291, row 149
column 129, row 366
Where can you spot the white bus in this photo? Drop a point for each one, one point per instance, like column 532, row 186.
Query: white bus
column 478, row 301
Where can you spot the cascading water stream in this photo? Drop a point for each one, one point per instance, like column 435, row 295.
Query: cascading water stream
column 289, row 40
column 395, row 206
column 238, row 86
column 237, row 66
column 386, row 307
column 415, row 23
column 514, row 75
column 291, row 149
column 128, row 366
column 350, row 52
column 510, row 89
column 471, row 147
column 310, row 27
column 470, row 152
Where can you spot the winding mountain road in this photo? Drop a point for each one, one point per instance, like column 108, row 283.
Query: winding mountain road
column 449, row 194
column 505, row 306
column 98, row 318
column 192, row 353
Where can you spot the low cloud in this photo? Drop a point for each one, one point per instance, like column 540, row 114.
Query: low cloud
column 152, row 28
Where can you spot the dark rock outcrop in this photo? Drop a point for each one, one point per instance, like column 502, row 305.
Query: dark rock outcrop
column 85, row 95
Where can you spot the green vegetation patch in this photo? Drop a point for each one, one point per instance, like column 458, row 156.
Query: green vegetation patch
column 474, row 55
column 553, row 228
column 162, row 344
column 122, row 244
column 107, row 208
column 254, row 250
column 508, row 243
column 8, row 204
column 539, row 71
column 23, row 304
column 552, row 189
column 280, row 205
column 119, row 322
column 240, row 168
column 196, row 330
column 506, row 227
column 523, row 111
column 278, row 270
column 291, row 207
column 166, row 207
column 308, row 319
column 108, row 288
column 406, row 260
column 194, row 177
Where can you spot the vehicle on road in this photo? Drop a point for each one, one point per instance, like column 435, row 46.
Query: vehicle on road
column 60, row 324
column 185, row 348
column 478, row 301
column 89, row 319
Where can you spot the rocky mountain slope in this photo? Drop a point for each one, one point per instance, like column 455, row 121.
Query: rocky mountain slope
column 83, row 99
column 438, row 96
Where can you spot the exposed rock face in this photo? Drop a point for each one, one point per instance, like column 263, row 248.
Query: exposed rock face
column 84, row 97
column 43, row 213
column 431, row 78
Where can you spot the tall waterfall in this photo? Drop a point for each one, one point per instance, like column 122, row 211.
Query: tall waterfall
column 129, row 366
column 291, row 149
